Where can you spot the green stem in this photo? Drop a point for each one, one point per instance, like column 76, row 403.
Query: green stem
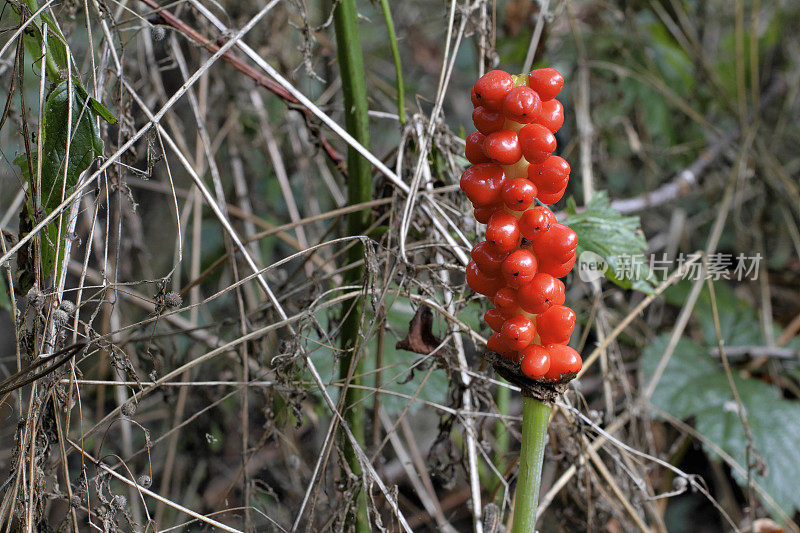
column 535, row 417
column 501, row 436
column 398, row 69
column 359, row 189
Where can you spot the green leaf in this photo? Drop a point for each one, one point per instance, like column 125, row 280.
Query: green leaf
column 616, row 239
column 694, row 385
column 85, row 142
column 5, row 301
column 57, row 179
column 739, row 322
column 55, row 58
column 102, row 111
column 55, row 44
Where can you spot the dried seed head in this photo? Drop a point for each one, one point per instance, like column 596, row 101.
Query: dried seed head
column 67, row 306
column 144, row 480
column 119, row 501
column 491, row 517
column 173, row 299
column 36, row 298
column 75, row 502
column 60, row 318
column 158, row 32
column 128, row 408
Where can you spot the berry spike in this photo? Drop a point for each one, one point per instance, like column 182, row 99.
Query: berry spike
column 526, row 249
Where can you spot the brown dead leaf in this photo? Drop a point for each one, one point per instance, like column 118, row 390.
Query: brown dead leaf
column 420, row 338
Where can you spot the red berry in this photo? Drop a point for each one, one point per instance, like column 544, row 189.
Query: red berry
column 535, row 222
column 556, row 269
column 551, row 176
column 474, row 97
column 483, row 214
column 550, row 199
column 537, row 143
column 547, row 82
column 481, row 282
column 487, row 121
column 551, row 115
column 541, row 293
column 503, row 146
column 495, row 318
column 517, row 332
column 487, row 257
column 555, row 325
column 503, row 232
column 498, row 346
column 506, row 301
column 522, row 105
column 492, row 88
column 534, row 361
column 474, row 149
column 565, row 362
column 519, row 267
column 557, row 245
column 482, row 184
column 518, row 193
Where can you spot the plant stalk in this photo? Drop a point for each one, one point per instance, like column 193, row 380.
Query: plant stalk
column 501, row 438
column 398, row 68
column 359, row 190
column 535, row 417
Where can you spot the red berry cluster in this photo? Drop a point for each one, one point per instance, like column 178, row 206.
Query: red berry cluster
column 526, row 250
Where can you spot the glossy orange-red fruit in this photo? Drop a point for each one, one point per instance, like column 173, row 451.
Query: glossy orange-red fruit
column 541, row 293
column 505, row 299
column 474, row 150
column 556, row 269
column 556, row 324
column 492, row 88
column 502, row 231
column 481, row 282
column 495, row 344
column 534, row 361
column 536, row 142
column 517, row 332
column 550, row 176
column 519, row 267
column 482, row 184
column 547, row 82
column 565, row 362
column 495, row 319
column 488, row 258
column 551, row 115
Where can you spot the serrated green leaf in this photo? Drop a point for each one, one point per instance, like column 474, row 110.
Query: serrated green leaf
column 694, row 385
column 57, row 180
column 604, row 231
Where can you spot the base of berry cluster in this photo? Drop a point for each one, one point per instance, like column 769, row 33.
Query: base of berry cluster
column 544, row 391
